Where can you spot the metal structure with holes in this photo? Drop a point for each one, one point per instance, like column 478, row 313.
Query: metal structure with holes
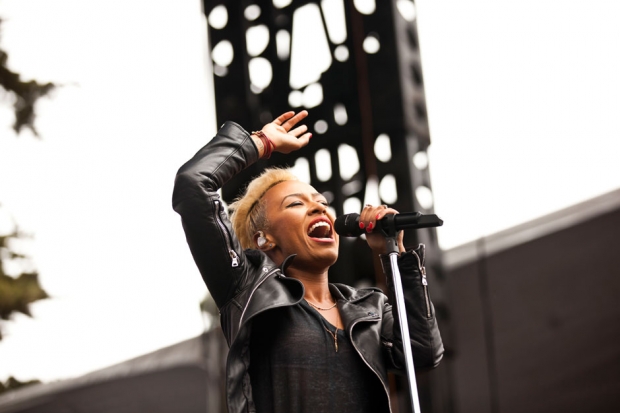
column 355, row 65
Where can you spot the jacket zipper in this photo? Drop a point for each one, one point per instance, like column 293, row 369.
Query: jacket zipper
column 387, row 392
column 424, row 284
column 233, row 255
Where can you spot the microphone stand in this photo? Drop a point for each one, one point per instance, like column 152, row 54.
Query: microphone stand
column 392, row 248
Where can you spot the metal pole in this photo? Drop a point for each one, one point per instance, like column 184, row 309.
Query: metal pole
column 404, row 330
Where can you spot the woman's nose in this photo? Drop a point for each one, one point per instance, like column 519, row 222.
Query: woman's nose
column 318, row 207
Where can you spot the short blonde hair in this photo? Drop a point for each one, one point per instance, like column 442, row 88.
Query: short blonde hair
column 248, row 212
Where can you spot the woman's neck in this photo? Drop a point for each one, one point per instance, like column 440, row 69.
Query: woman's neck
column 316, row 285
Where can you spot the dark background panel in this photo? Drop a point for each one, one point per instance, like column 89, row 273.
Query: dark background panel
column 551, row 340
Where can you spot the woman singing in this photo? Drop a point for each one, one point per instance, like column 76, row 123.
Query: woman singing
column 297, row 343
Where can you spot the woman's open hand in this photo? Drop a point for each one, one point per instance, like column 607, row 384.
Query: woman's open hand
column 368, row 221
column 283, row 133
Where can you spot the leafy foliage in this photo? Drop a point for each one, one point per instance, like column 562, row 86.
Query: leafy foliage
column 17, row 291
column 21, row 288
column 26, row 94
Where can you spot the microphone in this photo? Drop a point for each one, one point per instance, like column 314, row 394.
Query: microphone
column 348, row 225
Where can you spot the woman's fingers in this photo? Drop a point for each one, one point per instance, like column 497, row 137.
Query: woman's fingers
column 383, row 211
column 371, row 214
column 293, row 143
column 283, row 117
column 289, row 119
column 284, row 135
column 368, row 221
column 292, row 121
column 300, row 130
column 304, row 139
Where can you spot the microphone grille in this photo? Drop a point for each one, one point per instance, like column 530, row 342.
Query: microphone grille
column 347, row 225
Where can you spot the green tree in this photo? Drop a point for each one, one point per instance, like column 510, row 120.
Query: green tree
column 19, row 287
column 24, row 94
column 22, row 288
column 18, row 290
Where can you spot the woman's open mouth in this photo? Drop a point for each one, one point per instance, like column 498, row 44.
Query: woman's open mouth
column 320, row 230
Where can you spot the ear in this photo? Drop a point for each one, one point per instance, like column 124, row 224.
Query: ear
column 262, row 241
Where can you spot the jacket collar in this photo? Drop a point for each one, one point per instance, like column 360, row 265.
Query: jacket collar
column 272, row 290
column 270, row 295
column 350, row 294
column 287, row 261
column 339, row 291
column 352, row 304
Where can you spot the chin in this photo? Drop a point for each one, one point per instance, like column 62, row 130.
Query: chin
column 330, row 259
column 325, row 258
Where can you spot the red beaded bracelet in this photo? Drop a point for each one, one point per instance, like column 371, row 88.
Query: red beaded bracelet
column 268, row 145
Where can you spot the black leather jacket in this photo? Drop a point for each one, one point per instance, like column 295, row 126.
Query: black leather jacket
column 246, row 283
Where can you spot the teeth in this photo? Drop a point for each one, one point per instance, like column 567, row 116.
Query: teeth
column 318, row 224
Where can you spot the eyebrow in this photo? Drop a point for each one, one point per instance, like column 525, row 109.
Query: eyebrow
column 300, row 195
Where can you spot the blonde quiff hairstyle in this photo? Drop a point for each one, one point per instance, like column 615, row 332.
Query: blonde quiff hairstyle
column 248, row 212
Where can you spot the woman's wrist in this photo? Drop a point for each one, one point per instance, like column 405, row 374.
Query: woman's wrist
column 265, row 145
column 259, row 145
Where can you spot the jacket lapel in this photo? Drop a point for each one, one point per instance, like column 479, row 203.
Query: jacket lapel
column 272, row 293
column 353, row 308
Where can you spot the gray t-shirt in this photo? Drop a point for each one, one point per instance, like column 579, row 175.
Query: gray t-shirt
column 294, row 366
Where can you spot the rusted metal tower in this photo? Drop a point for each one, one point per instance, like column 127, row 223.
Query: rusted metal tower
column 355, row 65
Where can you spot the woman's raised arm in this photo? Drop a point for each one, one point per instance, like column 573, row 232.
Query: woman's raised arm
column 212, row 241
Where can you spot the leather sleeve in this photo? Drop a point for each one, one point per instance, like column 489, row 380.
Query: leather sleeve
column 426, row 344
column 208, row 231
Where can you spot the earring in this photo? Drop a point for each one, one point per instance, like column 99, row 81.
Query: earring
column 261, row 241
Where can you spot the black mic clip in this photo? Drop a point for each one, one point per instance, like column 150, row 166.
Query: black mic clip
column 388, row 225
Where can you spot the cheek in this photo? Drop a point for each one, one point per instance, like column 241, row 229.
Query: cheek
column 287, row 225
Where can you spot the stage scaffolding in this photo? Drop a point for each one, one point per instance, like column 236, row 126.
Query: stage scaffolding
column 365, row 96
